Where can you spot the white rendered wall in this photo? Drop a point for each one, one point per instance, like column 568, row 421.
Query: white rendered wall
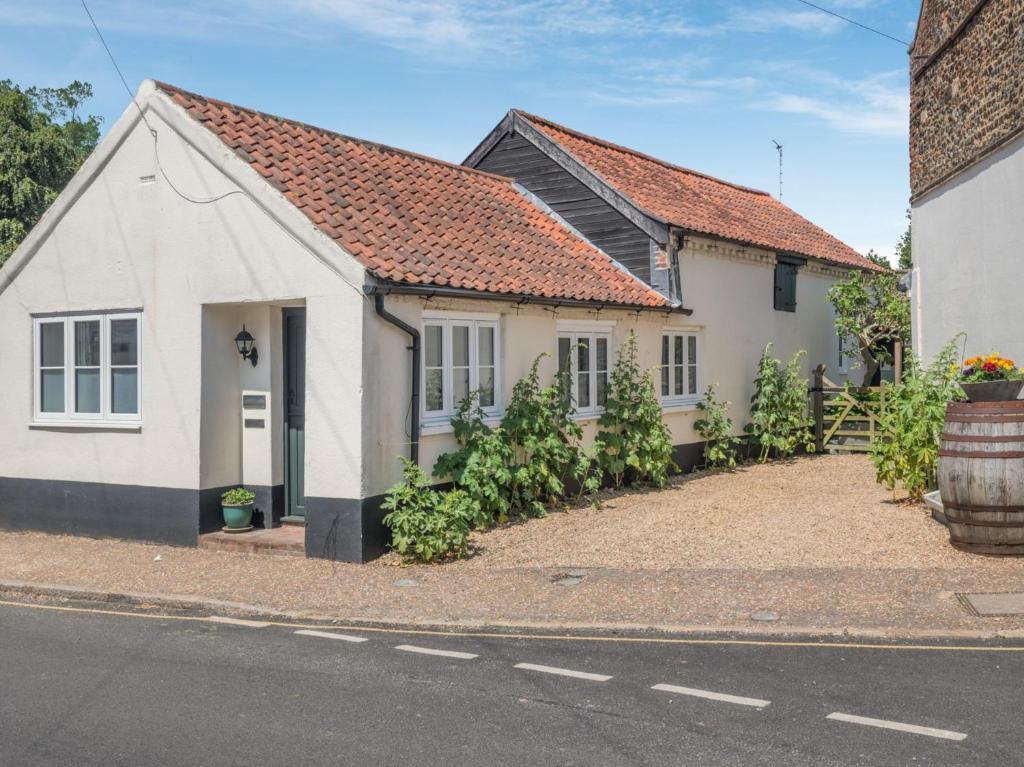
column 134, row 243
column 730, row 289
column 969, row 259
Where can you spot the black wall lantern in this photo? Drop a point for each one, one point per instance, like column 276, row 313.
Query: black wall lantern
column 247, row 346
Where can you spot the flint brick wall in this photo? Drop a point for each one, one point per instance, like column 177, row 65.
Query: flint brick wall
column 969, row 99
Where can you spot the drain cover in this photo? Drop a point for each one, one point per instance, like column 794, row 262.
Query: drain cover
column 569, row 581
column 764, row 616
column 988, row 605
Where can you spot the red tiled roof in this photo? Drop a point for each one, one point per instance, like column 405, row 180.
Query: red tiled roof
column 700, row 203
column 413, row 219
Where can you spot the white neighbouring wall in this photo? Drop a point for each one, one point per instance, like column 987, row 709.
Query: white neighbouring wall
column 968, row 246
column 729, row 287
column 196, row 271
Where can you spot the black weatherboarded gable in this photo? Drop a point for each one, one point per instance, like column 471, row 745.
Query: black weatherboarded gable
column 595, row 219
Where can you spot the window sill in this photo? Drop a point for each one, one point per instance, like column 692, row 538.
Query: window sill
column 87, row 425
column 668, row 406
column 444, row 425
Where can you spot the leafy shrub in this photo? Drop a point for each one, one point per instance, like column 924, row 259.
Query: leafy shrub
column 480, row 467
column 425, row 524
column 907, row 449
column 778, row 410
column 524, row 463
column 237, row 496
column 539, row 425
column 715, row 428
column 634, row 444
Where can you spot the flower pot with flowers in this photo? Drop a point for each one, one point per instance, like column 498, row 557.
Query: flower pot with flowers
column 991, row 378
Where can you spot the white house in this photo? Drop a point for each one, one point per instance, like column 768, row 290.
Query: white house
column 967, row 176
column 379, row 287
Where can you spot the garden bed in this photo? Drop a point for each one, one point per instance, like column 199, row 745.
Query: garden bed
column 817, row 511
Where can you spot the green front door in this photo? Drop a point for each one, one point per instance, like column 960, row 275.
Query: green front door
column 295, row 411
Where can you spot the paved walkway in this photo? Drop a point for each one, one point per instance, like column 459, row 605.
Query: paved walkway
column 903, row 601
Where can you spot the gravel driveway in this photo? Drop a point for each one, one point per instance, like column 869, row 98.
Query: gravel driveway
column 821, row 511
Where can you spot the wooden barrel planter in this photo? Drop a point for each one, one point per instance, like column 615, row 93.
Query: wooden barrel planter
column 981, row 476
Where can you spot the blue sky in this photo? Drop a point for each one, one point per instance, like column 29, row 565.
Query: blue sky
column 707, row 85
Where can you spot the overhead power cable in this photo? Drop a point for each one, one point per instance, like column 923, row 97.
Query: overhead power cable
column 204, row 200
column 848, row 20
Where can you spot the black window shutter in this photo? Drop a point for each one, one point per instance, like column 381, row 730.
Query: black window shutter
column 785, row 287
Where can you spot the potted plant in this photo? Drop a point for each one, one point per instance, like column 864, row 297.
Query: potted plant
column 991, row 378
column 236, row 505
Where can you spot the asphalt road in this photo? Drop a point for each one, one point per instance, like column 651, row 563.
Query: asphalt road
column 80, row 688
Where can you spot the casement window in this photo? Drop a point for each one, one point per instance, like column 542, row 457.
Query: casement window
column 785, row 285
column 681, row 367
column 585, row 356
column 88, row 367
column 460, row 355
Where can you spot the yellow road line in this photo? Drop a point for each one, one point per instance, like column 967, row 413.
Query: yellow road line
column 541, row 637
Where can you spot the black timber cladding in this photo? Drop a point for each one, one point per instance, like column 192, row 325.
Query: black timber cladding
column 594, row 218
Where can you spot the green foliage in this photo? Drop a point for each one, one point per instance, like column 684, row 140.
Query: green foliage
column 480, row 467
column 715, row 428
column 907, row 448
column 905, row 259
column 523, row 464
column 871, row 313
column 545, row 438
column 876, row 258
column 237, row 496
column 42, row 143
column 634, row 444
column 425, row 524
column 778, row 410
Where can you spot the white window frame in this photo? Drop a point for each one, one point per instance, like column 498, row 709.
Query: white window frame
column 586, row 331
column 446, row 321
column 674, row 398
column 69, row 416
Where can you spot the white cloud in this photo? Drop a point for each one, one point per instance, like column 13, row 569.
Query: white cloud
column 877, row 105
column 448, row 28
column 772, row 18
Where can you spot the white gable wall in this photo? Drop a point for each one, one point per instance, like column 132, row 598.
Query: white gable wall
column 130, row 244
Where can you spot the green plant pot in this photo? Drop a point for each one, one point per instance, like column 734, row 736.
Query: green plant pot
column 237, row 516
column 992, row 391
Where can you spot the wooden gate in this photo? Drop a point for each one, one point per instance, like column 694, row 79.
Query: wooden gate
column 845, row 417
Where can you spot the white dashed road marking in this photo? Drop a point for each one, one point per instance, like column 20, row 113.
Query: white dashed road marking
column 755, row 702
column 431, row 651
column 563, row 672
column 331, row 635
column 237, row 622
column 887, row 725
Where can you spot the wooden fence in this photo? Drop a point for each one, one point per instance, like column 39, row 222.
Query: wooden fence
column 845, row 417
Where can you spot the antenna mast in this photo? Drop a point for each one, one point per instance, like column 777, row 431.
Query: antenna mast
column 778, row 148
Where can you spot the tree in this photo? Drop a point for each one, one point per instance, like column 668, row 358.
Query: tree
column 43, row 141
column 875, row 258
column 871, row 313
column 905, row 261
